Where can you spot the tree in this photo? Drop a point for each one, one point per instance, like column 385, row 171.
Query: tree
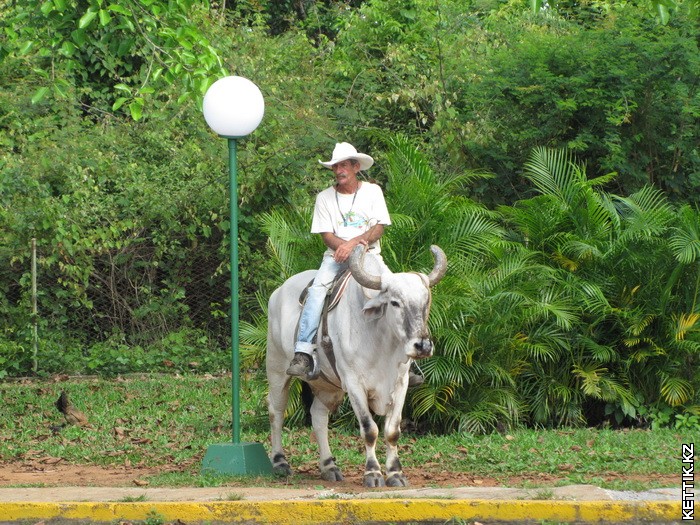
column 662, row 8
column 112, row 55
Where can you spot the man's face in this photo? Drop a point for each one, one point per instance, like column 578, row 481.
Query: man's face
column 345, row 169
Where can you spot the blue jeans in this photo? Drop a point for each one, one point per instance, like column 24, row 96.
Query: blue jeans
column 313, row 306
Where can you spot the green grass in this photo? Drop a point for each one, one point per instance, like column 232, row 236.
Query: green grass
column 168, row 422
column 134, row 499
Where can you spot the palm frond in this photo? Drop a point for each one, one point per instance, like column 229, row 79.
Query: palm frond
column 550, row 304
column 289, row 239
column 454, row 344
column 684, row 322
column 675, row 390
column 253, row 335
column 474, row 234
column 645, row 214
column 587, row 294
column 602, row 180
column 553, row 172
column 429, row 398
column 540, row 351
column 590, row 376
column 612, row 390
column 685, row 238
column 597, row 352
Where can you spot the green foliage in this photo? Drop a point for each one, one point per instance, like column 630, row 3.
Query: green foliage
column 628, row 244
column 562, row 310
column 181, row 351
column 154, row 518
column 120, row 55
column 594, row 91
column 661, row 8
column 573, row 284
column 15, row 358
column 111, row 233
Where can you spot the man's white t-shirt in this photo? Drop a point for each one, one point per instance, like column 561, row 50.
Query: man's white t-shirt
column 350, row 215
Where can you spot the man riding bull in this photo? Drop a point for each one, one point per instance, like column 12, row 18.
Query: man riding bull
column 346, row 214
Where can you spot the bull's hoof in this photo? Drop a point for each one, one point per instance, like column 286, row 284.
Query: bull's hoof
column 282, row 469
column 332, row 474
column 282, row 472
column 373, row 479
column 396, row 480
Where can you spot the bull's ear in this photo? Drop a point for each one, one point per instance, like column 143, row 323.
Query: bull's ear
column 374, row 308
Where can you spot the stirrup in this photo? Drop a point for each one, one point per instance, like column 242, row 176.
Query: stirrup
column 316, row 370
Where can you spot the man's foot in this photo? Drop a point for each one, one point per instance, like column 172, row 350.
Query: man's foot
column 301, row 366
column 414, row 379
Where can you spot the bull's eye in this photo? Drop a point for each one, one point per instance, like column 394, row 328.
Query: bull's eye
column 395, row 303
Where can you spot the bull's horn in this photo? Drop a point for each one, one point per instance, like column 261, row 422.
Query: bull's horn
column 357, row 268
column 440, row 266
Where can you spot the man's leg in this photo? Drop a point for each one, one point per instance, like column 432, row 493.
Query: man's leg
column 302, row 364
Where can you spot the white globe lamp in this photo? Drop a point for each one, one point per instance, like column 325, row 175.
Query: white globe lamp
column 233, row 107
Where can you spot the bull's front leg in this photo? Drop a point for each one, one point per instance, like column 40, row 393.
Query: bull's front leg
column 392, row 432
column 370, row 432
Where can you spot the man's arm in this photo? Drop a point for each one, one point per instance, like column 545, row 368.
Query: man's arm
column 342, row 249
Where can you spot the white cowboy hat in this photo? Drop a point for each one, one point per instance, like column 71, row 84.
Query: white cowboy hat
column 344, row 151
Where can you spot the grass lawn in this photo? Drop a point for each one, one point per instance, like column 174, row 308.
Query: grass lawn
column 156, row 421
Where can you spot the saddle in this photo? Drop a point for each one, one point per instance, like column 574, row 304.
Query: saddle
column 340, row 282
column 335, row 292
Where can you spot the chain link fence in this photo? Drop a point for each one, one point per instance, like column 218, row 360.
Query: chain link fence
column 137, row 295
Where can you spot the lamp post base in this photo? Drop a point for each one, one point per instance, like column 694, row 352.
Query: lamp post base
column 236, row 459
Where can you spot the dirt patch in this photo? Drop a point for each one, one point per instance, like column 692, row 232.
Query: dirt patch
column 12, row 474
column 66, row 475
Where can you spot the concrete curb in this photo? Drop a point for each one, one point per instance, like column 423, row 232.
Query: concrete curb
column 313, row 512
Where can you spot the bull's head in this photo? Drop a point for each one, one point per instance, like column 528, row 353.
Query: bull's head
column 404, row 297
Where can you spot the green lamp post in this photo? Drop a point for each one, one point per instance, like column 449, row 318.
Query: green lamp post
column 233, row 107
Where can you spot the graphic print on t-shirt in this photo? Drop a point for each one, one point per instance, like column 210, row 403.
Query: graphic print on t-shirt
column 353, row 220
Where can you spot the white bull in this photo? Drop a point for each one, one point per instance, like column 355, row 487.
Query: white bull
column 379, row 326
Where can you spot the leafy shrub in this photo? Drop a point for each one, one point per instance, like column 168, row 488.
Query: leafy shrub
column 181, row 351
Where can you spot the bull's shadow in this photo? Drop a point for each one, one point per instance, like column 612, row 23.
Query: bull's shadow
column 377, row 328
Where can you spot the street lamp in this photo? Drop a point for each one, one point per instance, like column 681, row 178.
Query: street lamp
column 233, row 107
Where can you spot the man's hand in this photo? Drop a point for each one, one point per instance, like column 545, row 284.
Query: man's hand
column 343, row 251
